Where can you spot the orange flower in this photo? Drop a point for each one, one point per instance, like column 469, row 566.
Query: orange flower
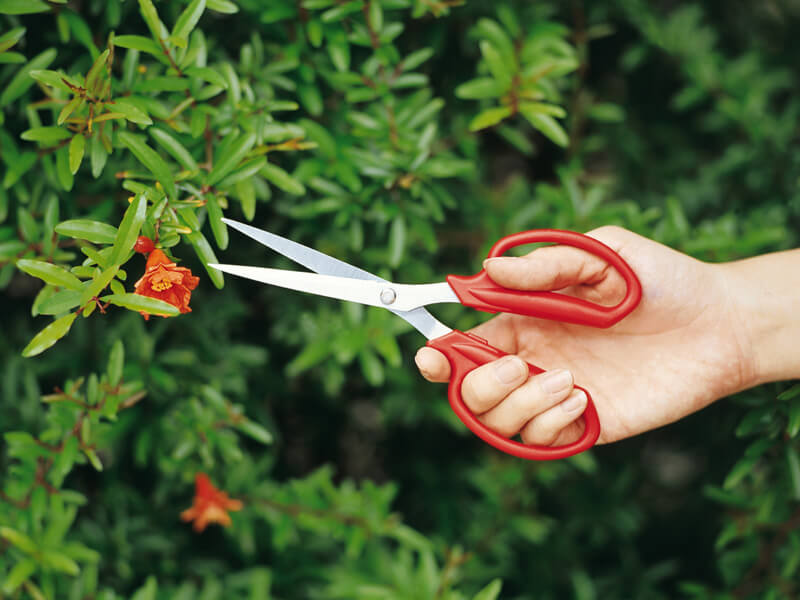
column 166, row 281
column 210, row 505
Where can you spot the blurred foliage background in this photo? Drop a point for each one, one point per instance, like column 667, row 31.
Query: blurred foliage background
column 404, row 136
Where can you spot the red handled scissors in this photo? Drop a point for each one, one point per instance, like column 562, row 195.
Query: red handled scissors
column 336, row 279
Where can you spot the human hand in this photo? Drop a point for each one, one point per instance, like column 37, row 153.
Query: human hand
column 678, row 351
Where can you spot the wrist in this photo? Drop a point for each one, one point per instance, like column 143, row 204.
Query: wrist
column 764, row 296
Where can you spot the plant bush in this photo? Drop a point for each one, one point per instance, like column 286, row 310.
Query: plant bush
column 404, row 136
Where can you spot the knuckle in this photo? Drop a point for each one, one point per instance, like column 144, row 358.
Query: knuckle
column 608, row 231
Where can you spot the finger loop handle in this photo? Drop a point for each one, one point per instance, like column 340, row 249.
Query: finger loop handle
column 480, row 292
column 466, row 352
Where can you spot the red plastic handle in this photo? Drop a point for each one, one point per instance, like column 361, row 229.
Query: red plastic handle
column 465, row 352
column 479, row 291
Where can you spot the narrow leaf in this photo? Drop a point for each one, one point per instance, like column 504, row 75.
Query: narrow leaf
column 489, row 117
column 49, row 335
column 227, row 162
column 116, row 361
column 206, row 256
column 49, row 273
column 85, row 229
column 20, row 83
column 22, row 7
column 152, row 306
column 282, row 179
column 150, row 159
column 77, row 146
column 129, row 229
column 131, row 112
column 188, row 19
column 548, row 126
column 174, row 147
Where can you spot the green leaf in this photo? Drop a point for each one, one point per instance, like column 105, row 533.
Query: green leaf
column 150, row 159
column 397, row 241
column 131, row 112
column 10, row 38
column 22, row 7
column 376, row 15
column 85, row 229
column 49, row 335
column 18, row 575
column 371, row 367
column 60, row 302
column 98, row 284
column 206, row 256
column 218, row 228
column 151, row 306
column 282, row 179
column 499, row 69
column 207, row 74
column 491, row 591
column 226, row 162
column 77, row 146
column 416, row 58
column 174, row 148
column 489, row 117
column 340, row 12
column 93, row 76
column 116, row 362
column 138, row 42
column 59, row 562
column 68, row 109
column 255, row 431
column 222, row 6
column 92, row 456
column 47, row 135
column 97, row 156
column 246, row 192
column 18, row 539
column 542, row 108
column 339, row 51
column 794, row 470
column 548, row 126
column 150, row 16
column 188, row 19
column 49, row 273
column 479, row 89
column 129, row 229
column 52, row 78
column 65, row 176
column 793, row 426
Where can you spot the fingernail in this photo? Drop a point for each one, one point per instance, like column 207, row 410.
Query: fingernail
column 510, row 369
column 575, row 402
column 496, row 259
column 555, row 381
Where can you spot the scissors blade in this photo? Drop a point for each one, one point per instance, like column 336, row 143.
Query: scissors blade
column 308, row 257
column 383, row 294
column 419, row 318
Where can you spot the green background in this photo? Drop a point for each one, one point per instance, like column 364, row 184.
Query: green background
column 357, row 480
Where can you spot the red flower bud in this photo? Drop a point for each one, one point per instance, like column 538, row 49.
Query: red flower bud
column 144, row 245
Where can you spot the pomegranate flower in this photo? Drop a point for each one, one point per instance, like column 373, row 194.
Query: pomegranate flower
column 166, row 281
column 210, row 505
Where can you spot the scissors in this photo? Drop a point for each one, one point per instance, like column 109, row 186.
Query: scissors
column 465, row 351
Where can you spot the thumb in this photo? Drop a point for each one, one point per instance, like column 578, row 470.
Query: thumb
column 549, row 268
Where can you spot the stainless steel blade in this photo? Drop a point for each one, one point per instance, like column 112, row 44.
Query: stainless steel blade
column 419, row 318
column 308, row 257
column 384, row 294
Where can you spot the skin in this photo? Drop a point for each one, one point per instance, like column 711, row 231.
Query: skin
column 701, row 332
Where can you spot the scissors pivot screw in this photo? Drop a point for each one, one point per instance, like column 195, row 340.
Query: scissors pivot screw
column 388, row 295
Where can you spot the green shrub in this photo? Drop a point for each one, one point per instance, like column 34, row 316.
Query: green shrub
column 404, row 136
